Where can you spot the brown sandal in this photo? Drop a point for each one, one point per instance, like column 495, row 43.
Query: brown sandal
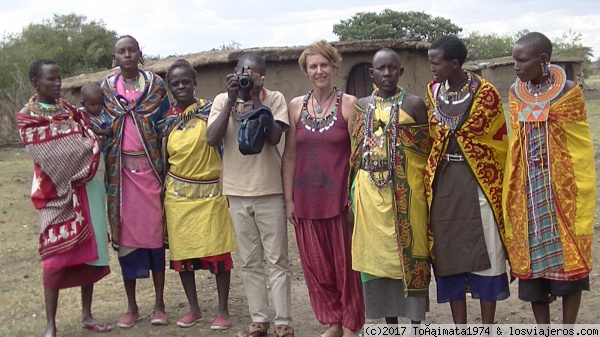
column 255, row 329
column 283, row 330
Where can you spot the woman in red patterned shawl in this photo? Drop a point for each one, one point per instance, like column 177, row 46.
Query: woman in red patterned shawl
column 65, row 157
column 136, row 100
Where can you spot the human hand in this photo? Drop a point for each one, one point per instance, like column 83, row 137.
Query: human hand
column 289, row 213
column 259, row 81
column 233, row 86
column 96, row 129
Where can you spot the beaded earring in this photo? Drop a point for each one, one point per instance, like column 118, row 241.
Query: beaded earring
column 545, row 68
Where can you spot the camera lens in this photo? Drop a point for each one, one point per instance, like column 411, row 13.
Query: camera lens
column 245, row 82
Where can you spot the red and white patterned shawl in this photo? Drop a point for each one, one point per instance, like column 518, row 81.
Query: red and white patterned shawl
column 65, row 156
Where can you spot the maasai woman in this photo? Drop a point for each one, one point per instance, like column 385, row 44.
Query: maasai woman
column 390, row 144
column 136, row 100
column 66, row 153
column 315, row 177
column 549, row 190
column 463, row 182
column 198, row 224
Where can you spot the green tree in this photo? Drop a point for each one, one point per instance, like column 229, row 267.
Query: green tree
column 569, row 44
column 486, row 46
column 390, row 24
column 76, row 45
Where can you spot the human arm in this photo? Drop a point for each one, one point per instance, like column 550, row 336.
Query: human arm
column 348, row 110
column 279, row 109
column 415, row 107
column 220, row 113
column 101, row 132
column 288, row 162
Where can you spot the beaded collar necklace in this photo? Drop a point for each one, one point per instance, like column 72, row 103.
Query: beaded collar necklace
column 543, row 92
column 456, row 97
column 538, row 89
column 314, row 123
column 453, row 122
column 37, row 109
column 183, row 116
column 372, row 142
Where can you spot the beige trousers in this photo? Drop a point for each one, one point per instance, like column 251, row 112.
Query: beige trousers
column 261, row 230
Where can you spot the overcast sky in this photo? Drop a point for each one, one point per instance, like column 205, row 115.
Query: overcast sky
column 189, row 26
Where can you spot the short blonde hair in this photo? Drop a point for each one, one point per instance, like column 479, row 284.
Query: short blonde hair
column 323, row 48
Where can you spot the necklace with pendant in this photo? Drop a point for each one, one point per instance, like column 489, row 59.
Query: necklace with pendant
column 319, row 108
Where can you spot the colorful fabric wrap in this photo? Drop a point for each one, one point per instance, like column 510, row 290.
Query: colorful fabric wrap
column 483, row 141
column 147, row 111
column 66, row 155
column 413, row 148
column 197, row 219
column 573, row 186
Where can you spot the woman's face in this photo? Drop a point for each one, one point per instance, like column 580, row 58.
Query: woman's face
column 386, row 72
column 440, row 68
column 528, row 63
column 48, row 84
column 320, row 70
column 127, row 54
column 181, row 84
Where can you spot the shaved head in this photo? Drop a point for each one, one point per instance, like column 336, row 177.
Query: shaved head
column 387, row 51
column 537, row 42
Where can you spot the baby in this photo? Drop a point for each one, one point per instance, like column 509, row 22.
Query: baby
column 92, row 101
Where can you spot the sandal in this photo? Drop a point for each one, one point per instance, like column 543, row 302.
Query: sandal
column 96, row 326
column 256, row 329
column 283, row 330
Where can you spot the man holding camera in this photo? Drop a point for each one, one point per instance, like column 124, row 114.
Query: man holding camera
column 253, row 186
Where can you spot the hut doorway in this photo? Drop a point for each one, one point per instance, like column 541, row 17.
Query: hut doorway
column 360, row 83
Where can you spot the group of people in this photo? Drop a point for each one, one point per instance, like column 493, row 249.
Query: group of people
column 379, row 190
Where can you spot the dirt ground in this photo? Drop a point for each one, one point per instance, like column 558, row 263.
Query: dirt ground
column 21, row 292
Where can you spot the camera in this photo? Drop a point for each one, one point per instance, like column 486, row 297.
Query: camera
column 244, row 79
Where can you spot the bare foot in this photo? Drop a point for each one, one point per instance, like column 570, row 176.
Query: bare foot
column 349, row 333
column 334, row 330
column 50, row 331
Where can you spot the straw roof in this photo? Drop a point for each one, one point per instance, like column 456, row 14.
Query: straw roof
column 506, row 60
column 271, row 54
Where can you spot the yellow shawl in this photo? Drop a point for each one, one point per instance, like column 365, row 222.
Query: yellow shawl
column 483, row 141
column 410, row 214
column 573, row 185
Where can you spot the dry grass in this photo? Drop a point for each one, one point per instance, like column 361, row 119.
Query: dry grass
column 21, row 292
column 593, row 79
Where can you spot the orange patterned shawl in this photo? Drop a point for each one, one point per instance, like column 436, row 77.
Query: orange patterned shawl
column 483, row 141
column 573, row 186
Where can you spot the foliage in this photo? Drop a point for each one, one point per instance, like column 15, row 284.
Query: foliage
column 390, row 24
column 232, row 45
column 569, row 44
column 77, row 46
column 18, row 92
column 487, row 46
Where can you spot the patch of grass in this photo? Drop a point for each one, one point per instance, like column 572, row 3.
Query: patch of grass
column 592, row 79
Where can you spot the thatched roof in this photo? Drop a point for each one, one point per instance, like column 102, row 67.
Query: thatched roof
column 271, row 54
column 506, row 60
